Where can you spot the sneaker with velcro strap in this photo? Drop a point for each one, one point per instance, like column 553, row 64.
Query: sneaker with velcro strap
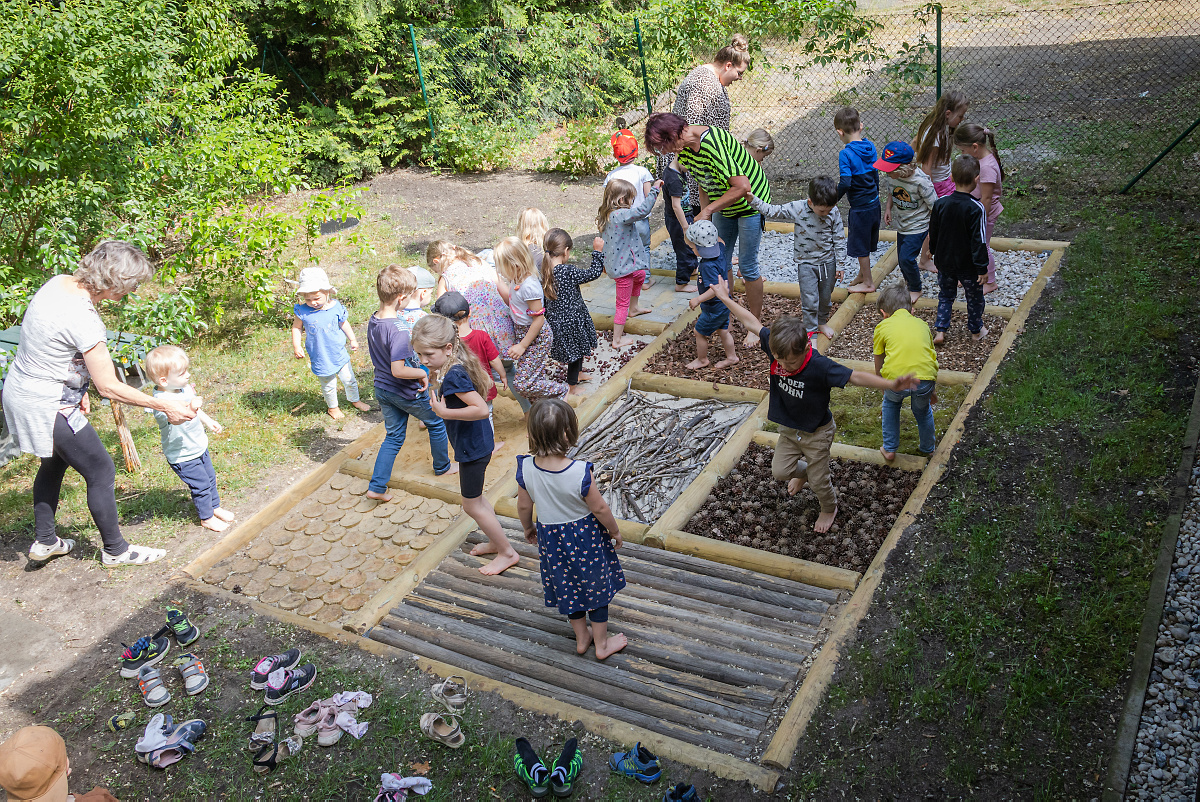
column 145, row 651
column 269, row 665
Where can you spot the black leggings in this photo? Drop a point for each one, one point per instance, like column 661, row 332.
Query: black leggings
column 573, row 369
column 598, row 616
column 84, row 452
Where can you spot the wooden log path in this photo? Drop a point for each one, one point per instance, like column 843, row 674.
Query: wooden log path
column 714, row 652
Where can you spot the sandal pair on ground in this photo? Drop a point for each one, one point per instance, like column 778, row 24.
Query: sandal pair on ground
column 542, row 781
column 451, row 693
column 279, row 676
column 139, row 660
column 134, row 555
column 166, row 742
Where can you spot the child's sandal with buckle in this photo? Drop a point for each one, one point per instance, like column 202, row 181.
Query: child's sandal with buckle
column 270, row 756
column 443, row 729
column 452, row 695
column 264, row 729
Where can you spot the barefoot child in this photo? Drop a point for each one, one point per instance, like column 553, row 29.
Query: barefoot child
column 820, row 244
column 519, row 285
column 185, row 445
column 567, row 314
column 799, row 403
column 958, row 241
column 859, row 182
column 975, row 140
column 575, row 530
column 714, row 316
column 677, row 216
column 401, row 386
column 454, row 306
column 910, row 193
column 903, row 344
column 458, row 382
column 626, row 256
column 322, row 319
column 625, row 151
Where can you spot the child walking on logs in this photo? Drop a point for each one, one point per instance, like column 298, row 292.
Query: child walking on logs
column 454, row 306
column 799, row 403
column 458, row 383
column 975, row 140
column 859, row 182
column 901, row 343
column 958, row 240
column 568, row 316
column 519, row 285
column 576, row 533
column 322, row 321
column 714, row 317
column 626, row 256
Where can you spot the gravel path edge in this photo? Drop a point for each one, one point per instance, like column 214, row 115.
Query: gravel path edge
column 1121, row 758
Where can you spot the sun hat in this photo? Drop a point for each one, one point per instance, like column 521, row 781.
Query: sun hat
column 425, row 279
column 453, row 305
column 895, row 154
column 624, row 146
column 33, row 766
column 703, row 234
column 313, row 279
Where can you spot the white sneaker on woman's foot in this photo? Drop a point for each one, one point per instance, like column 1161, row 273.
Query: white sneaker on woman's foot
column 40, row 553
column 134, row 555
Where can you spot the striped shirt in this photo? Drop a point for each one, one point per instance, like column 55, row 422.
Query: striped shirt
column 720, row 158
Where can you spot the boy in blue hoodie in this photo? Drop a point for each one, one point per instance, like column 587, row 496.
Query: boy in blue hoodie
column 858, row 180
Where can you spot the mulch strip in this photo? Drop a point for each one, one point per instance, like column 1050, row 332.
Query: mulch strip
column 959, row 352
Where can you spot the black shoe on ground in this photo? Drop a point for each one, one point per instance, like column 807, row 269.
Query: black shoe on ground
column 144, row 652
column 290, row 681
column 264, row 667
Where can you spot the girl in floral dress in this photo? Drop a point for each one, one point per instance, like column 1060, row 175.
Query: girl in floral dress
column 462, row 271
column 568, row 316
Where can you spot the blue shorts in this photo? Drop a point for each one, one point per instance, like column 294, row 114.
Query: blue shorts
column 862, row 237
column 714, row 316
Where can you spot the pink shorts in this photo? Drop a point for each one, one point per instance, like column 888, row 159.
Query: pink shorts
column 943, row 188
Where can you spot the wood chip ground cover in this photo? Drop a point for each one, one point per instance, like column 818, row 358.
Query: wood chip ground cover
column 959, row 352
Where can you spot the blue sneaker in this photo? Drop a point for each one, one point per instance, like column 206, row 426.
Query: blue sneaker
column 681, row 793
column 637, row 763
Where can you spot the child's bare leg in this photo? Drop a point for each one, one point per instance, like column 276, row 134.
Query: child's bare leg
column 731, row 357
column 224, row 514
column 583, row 635
column 634, row 309
column 701, row 360
column 214, row 523
column 605, row 645
column 866, row 282
column 825, row 520
column 619, row 340
column 480, row 510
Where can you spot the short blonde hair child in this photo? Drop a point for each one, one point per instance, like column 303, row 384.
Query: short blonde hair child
column 514, row 263
column 894, row 297
column 532, row 226
column 618, row 194
column 165, row 360
column 759, row 139
column 395, row 282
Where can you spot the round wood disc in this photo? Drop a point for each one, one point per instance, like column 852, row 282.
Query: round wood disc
column 437, row 526
column 317, row 589
column 388, row 572
column 334, row 574
column 310, row 607
column 272, row 595
column 405, row 557
column 369, row 524
column 263, row 572
column 447, row 512
column 261, row 550
column 351, row 518
column 316, row 527
column 354, row 537
column 366, row 505
column 370, row 545
column 387, row 551
column 371, row 566
column 358, row 486
column 329, row 614
column 336, row 595
column 301, row 582
column 312, row 510
column 328, row 496
column 281, row 555
column 400, row 516
column 339, row 480
column 254, row 587
column 333, row 534
column 355, row 601
column 418, row 521
column 371, row 587
column 430, row 505
column 301, row 542
column 337, row 554
column 332, row 514
column 292, row 600
column 317, row 568
column 216, row 575
column 347, row 501
column 411, row 502
column 383, row 510
column 353, row 580
column 318, row 548
column 281, row 537
column 295, row 523
column 352, row 560
column 280, row 580
column 403, row 536
column 298, row 562
column 235, row 581
column 422, row 542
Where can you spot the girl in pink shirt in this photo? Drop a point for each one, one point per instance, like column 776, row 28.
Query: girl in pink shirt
column 980, row 142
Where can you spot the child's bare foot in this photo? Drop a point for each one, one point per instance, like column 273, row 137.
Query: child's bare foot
column 927, row 265
column 612, row 645
column 983, row 332
column 887, row 455
column 336, row 413
column 825, row 520
column 684, row 288
column 624, row 342
column 215, row 524
column 500, row 564
column 224, row 514
column 483, row 548
column 649, row 282
column 499, row 445
column 384, row 497
column 575, row 389
column 638, row 311
column 728, row 362
column 751, row 340
column 990, row 287
column 697, row 364
column 827, row 331
column 361, row 406
column 453, row 469
column 939, row 338
column 861, row 286
column 582, row 642
column 585, row 377
column 913, row 297
column 796, row 485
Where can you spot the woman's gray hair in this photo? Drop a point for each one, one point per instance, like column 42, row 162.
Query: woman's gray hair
column 114, row 266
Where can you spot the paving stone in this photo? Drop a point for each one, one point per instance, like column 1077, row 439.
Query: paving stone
column 327, row 496
column 334, row 534
column 298, row 563
column 264, row 572
column 347, row 501
column 254, row 587
column 295, row 523
column 333, row 514
column 261, row 550
column 291, row 601
column 357, row 486
column 318, row 548
column 310, row 607
column 339, row 480
column 337, row 554
column 281, row 555
column 329, row 614
column 353, row 579
column 316, row 527
column 371, row 567
column 422, row 542
column 400, row 516
column 334, row 574
column 351, row 518
column 235, row 581
column 317, row 568
column 366, row 505
column 317, row 589
column 353, row 560
column 371, row 587
column 280, row 580
column 387, row 551
column 388, row 572
column 312, row 510
column 244, row 565
column 281, row 537
column 336, row 595
column 355, row 602
column 405, row 557
column 272, row 595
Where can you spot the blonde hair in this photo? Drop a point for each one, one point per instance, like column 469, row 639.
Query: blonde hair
column 449, row 253
column 618, row 194
column 532, row 226
column 904, row 171
column 737, row 52
column 759, row 139
column 395, row 282
column 893, row 297
column 164, row 360
column 514, row 263
column 436, row 331
column 114, row 266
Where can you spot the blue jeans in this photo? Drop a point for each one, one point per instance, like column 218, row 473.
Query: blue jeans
column 908, row 249
column 395, row 419
column 201, row 480
column 921, row 410
column 749, row 230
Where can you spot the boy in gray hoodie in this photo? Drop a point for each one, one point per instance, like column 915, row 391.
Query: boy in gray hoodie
column 820, row 243
column 910, row 199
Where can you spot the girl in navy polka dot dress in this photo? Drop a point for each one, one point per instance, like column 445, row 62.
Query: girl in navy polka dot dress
column 575, row 530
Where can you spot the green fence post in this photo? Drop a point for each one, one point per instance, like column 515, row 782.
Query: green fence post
column 939, row 50
column 412, row 35
column 642, row 55
column 1160, row 157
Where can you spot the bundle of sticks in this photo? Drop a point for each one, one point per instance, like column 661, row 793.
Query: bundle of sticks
column 648, row 447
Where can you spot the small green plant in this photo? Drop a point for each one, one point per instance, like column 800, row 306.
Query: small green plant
column 582, row 150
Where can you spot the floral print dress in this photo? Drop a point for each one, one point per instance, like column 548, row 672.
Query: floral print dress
column 488, row 310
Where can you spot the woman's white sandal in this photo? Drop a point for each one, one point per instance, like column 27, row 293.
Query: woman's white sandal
column 134, row 555
column 452, row 695
column 444, row 730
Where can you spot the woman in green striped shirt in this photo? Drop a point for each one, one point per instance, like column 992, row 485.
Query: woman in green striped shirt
column 727, row 175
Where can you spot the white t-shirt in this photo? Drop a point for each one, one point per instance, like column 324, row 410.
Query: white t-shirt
column 635, row 174
column 518, row 300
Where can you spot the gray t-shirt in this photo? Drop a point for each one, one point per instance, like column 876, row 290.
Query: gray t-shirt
column 912, row 201
column 48, row 373
column 184, row 441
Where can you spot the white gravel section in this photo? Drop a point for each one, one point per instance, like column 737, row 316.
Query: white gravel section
column 775, row 258
column 1167, row 755
column 1015, row 273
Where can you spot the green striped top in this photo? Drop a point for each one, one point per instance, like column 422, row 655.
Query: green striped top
column 721, row 156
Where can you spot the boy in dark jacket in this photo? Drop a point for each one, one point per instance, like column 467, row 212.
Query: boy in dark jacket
column 859, row 182
column 958, row 241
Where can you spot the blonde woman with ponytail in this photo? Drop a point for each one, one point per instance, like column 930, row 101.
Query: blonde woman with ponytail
column 458, row 384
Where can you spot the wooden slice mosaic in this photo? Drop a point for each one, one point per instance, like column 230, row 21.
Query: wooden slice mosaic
column 329, row 614
column 216, row 575
column 351, row 518
column 366, row 505
column 403, row 536
column 295, row 523
column 370, row 545
column 405, row 557
column 369, row 524
column 429, row 505
column 333, row 513
column 437, row 526
column 318, row 548
column 383, row 510
column 310, row 607
column 301, row 582
column 371, row 567
column 337, row 554
column 347, row 501
column 353, row 560
column 317, row 568
column 353, row 579
column 272, row 595
column 281, row 537
column 334, row 534
column 387, row 551
column 354, row 537
column 400, row 516
column 448, row 512
column 371, row 587
column 244, row 565
column 235, row 581
column 312, row 510
column 336, row 595
column 328, row 496
column 355, row 601
column 291, row 601
column 358, row 486
column 316, row 527
column 281, row 555
column 261, row 550
column 419, row 520
column 263, row 572
column 334, row 574
column 317, row 589
column 254, row 587
column 298, row 562
column 422, row 542
column 388, row 572
column 339, row 480
column 280, row 580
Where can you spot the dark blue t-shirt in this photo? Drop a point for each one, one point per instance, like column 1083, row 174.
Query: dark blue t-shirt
column 709, row 270
column 472, row 439
column 800, row 400
column 388, row 343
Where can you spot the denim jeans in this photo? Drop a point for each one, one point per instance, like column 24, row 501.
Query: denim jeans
column 749, row 230
column 908, row 249
column 685, row 257
column 395, row 420
column 921, row 410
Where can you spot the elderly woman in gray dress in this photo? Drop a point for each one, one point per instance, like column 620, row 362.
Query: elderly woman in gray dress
column 63, row 350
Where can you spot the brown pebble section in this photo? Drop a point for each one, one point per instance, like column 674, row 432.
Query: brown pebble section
column 334, row 550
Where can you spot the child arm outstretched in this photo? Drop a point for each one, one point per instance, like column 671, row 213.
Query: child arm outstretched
column 789, row 212
column 297, row 341
column 744, row 315
column 643, row 209
column 211, row 424
column 864, row 379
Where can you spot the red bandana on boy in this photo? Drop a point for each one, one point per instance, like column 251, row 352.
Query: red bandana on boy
column 778, row 371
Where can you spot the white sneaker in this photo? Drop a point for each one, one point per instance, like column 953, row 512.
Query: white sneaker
column 134, row 555
column 39, row 553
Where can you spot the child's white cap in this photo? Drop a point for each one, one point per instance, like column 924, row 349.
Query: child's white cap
column 313, row 279
column 703, row 234
column 425, row 279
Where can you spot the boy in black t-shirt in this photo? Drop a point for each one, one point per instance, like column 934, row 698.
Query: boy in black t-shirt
column 799, row 402
column 677, row 217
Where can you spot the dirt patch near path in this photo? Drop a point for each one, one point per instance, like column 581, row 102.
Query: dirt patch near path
column 959, row 352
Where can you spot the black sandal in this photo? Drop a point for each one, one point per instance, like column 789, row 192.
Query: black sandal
column 269, row 756
column 264, row 731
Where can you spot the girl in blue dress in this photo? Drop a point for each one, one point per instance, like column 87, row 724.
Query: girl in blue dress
column 575, row 530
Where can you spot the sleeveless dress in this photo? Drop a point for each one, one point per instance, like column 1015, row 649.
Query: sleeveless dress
column 580, row 571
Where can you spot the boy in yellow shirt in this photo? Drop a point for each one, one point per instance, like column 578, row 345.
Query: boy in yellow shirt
column 904, row 345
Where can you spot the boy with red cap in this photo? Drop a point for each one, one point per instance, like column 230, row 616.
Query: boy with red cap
column 625, row 150
column 34, row 768
column 910, row 199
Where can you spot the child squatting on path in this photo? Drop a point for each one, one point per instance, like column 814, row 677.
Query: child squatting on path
column 626, row 256
column 459, row 382
column 322, row 319
column 185, row 445
column 714, row 316
column 454, row 306
column 902, row 344
column 958, row 240
column 820, row 244
column 799, row 403
column 400, row 383
column 575, row 530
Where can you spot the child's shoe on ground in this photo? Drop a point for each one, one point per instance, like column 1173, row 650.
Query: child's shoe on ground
column 271, row 755
column 178, row 625
column 181, row 742
column 121, row 721
column 155, row 736
column 134, row 555
column 195, row 678
column 443, row 729
column 452, row 695
column 39, row 553
column 566, row 768
column 286, row 681
column 268, row 665
column 264, row 729
column 681, row 793
column 154, row 693
column 144, row 652
column 531, row 770
column 637, row 763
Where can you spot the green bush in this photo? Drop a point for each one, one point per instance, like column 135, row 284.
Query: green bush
column 466, row 146
column 583, row 149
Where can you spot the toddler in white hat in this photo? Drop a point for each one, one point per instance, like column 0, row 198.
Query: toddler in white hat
column 321, row 320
